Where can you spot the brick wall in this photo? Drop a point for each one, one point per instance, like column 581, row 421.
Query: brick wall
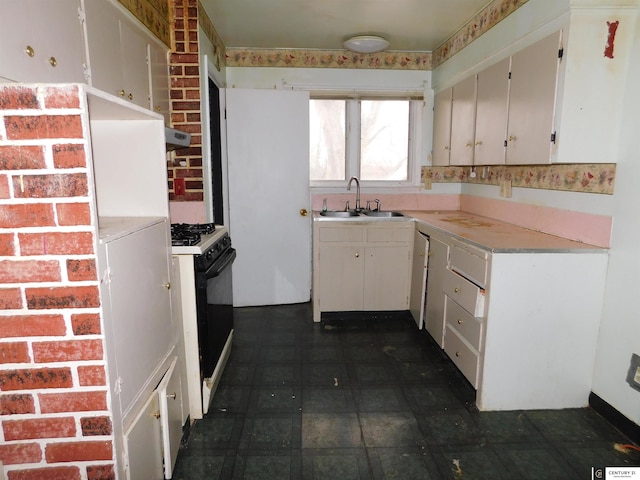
column 185, row 102
column 54, row 415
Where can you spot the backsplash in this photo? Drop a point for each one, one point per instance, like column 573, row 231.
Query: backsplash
column 580, row 177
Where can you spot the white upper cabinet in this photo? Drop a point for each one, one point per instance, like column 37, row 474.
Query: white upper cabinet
column 534, row 73
column 463, row 121
column 159, row 71
column 41, row 41
column 492, row 114
column 442, row 127
column 118, row 52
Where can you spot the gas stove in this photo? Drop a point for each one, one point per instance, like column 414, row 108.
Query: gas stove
column 187, row 234
column 195, row 238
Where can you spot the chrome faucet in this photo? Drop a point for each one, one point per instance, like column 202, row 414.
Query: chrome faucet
column 358, row 208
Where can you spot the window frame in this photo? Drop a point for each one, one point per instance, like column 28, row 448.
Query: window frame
column 352, row 141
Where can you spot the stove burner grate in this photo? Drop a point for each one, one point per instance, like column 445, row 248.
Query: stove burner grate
column 187, row 234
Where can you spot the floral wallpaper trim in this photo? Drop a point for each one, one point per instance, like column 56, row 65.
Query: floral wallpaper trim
column 490, row 16
column 588, row 177
column 209, row 30
column 154, row 14
column 240, row 57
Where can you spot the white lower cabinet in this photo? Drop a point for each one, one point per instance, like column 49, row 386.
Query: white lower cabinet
column 521, row 325
column 419, row 278
column 152, row 441
column 361, row 266
column 143, row 444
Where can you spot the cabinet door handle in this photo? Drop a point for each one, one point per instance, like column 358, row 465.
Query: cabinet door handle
column 457, row 289
column 457, row 354
column 460, row 322
column 172, row 396
column 357, row 254
column 29, row 50
column 53, row 62
column 167, row 285
column 156, row 414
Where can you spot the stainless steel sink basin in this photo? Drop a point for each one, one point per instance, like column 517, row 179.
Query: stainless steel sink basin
column 339, row 213
column 386, row 213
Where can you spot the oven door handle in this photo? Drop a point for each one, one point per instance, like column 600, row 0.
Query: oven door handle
column 223, row 262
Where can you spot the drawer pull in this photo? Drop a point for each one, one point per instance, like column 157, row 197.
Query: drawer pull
column 357, row 254
column 457, row 354
column 459, row 321
column 457, row 289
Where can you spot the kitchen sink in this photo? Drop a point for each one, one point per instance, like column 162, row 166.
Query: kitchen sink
column 339, row 213
column 386, row 213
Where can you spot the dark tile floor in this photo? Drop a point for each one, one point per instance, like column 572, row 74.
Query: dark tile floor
column 373, row 399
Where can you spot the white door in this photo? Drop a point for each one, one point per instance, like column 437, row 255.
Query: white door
column 419, row 278
column 268, row 168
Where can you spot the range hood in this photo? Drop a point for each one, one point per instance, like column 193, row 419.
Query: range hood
column 175, row 139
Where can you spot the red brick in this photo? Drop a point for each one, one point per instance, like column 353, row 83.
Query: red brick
column 53, row 473
column 78, row 451
column 69, row 156
column 185, row 106
column 185, row 82
column 4, row 187
column 63, row 297
column 73, row 214
column 26, row 215
column 92, row 376
column 184, row 58
column 95, row 426
column 86, row 324
column 6, row 245
column 29, row 379
column 50, row 186
column 13, row 454
column 43, row 126
column 21, row 157
column 61, row 97
column 18, row 98
column 67, row 351
column 27, row 271
column 73, row 402
column 32, row 326
column 30, row 429
column 101, row 472
column 17, row 404
column 56, row 243
column 81, row 270
column 14, row 352
column 10, row 298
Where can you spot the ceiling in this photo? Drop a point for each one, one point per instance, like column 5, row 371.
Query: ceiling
column 409, row 25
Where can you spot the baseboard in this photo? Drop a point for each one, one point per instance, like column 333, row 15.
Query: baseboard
column 615, row 418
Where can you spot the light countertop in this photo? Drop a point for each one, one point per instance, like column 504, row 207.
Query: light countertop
column 495, row 235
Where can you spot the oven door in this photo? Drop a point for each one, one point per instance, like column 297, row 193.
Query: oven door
column 214, row 300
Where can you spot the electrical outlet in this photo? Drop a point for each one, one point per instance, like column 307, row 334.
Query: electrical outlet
column 178, row 186
column 633, row 375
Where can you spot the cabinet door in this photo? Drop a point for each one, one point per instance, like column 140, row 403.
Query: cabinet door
column 143, row 444
column 135, row 64
column 491, row 114
column 534, row 73
column 140, row 323
column 159, row 72
column 41, row 41
column 103, row 43
column 386, row 277
column 442, row 127
column 170, row 398
column 463, row 121
column 341, row 278
column 437, row 270
column 419, row 278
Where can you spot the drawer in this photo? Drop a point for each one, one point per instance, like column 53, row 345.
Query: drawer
column 465, row 358
column 390, row 234
column 469, row 262
column 465, row 293
column 468, row 326
column 341, row 234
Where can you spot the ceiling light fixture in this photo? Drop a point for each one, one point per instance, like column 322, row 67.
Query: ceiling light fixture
column 366, row 43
